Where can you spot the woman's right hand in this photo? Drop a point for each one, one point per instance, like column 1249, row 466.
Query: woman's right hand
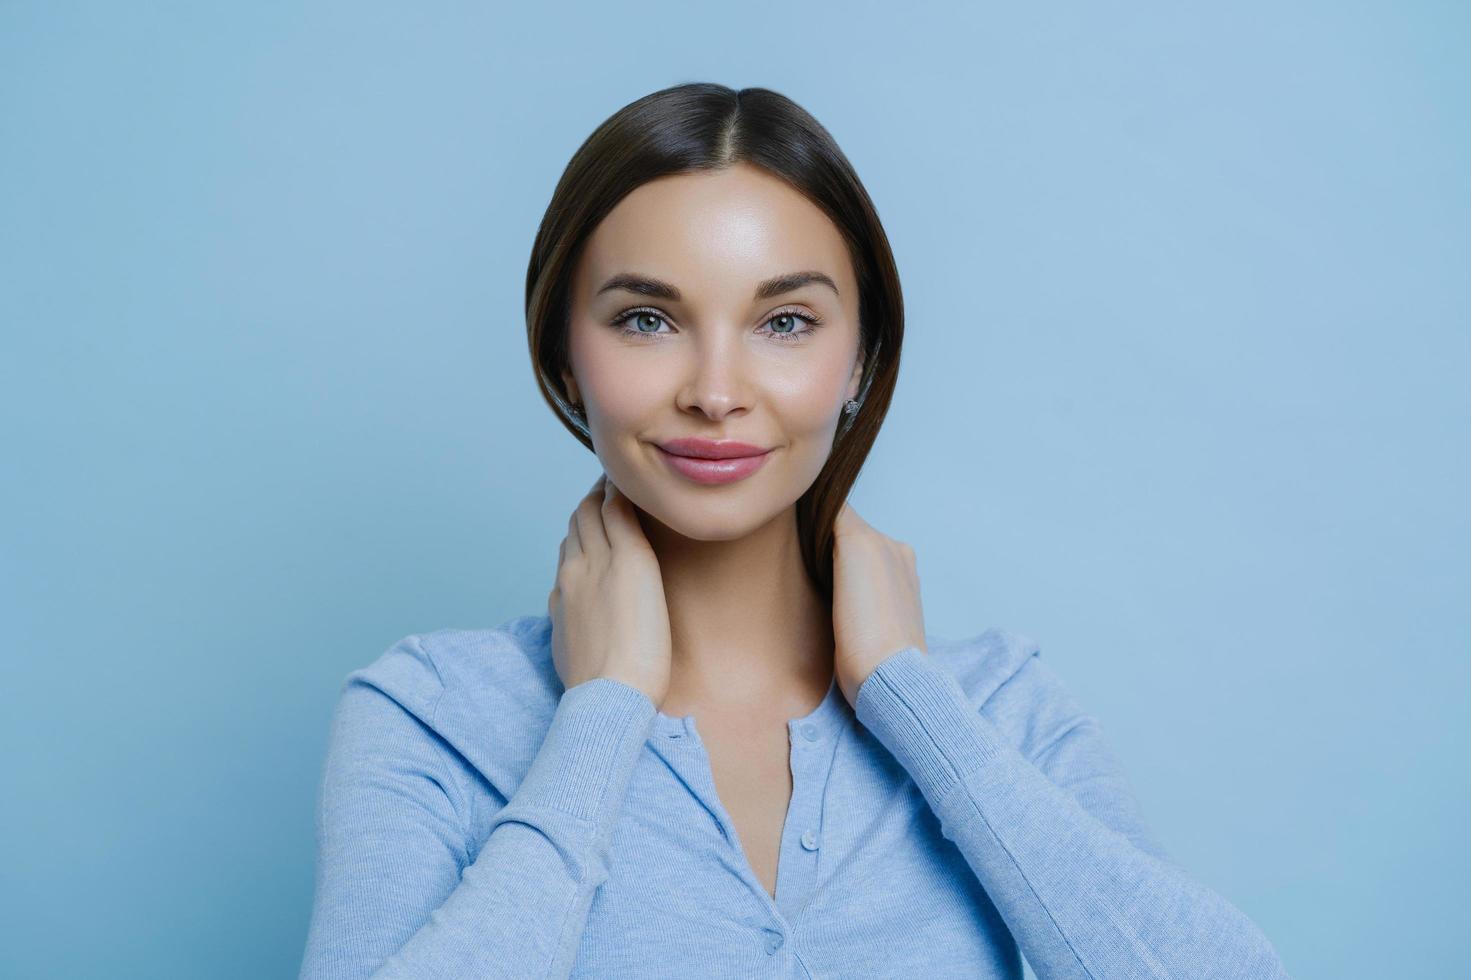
column 609, row 617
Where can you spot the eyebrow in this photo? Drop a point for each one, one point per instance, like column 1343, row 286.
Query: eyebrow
column 766, row 289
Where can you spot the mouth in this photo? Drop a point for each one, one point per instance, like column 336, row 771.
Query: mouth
column 697, row 448
column 728, row 469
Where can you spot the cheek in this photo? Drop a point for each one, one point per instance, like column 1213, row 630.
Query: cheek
column 810, row 400
column 620, row 384
column 631, row 388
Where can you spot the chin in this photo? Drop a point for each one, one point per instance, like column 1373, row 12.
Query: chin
column 710, row 523
column 711, row 519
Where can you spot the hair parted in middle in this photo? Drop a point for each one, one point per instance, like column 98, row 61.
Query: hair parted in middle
column 702, row 126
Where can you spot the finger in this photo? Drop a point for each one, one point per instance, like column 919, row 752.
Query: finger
column 618, row 517
column 589, row 517
column 576, row 541
column 573, row 541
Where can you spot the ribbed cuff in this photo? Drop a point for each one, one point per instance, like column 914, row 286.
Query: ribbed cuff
column 920, row 713
column 590, row 750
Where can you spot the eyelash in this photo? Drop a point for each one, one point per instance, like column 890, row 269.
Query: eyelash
column 795, row 337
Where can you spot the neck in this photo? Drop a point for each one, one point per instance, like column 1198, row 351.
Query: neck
column 751, row 634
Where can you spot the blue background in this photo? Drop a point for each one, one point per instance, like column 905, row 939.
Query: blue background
column 1183, row 398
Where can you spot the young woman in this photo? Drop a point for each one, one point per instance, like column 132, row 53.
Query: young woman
column 730, row 749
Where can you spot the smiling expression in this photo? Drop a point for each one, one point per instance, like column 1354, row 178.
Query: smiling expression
column 716, row 306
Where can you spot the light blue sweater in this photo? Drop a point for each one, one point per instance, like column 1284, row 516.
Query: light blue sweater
column 476, row 821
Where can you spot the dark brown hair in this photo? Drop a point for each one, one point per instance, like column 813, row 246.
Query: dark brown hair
column 704, row 126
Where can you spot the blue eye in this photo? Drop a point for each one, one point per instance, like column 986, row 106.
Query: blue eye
column 786, row 319
column 640, row 317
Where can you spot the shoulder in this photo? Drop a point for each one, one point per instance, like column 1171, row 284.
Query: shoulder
column 421, row 668
column 984, row 662
column 1005, row 677
column 489, row 692
column 1009, row 683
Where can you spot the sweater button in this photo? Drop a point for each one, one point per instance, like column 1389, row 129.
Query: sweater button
column 809, row 731
column 809, row 841
column 774, row 940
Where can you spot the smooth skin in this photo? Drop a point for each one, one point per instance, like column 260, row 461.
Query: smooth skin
column 749, row 636
column 609, row 618
column 617, row 624
column 695, row 594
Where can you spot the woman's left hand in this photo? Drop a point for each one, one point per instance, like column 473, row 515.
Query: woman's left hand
column 876, row 603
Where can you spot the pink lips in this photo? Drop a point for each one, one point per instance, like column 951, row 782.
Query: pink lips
column 710, row 462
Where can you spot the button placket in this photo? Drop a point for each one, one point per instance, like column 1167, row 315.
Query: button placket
column 812, row 754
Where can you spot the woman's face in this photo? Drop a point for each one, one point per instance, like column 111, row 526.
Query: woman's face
column 732, row 356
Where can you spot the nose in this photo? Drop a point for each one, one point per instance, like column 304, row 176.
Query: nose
column 719, row 382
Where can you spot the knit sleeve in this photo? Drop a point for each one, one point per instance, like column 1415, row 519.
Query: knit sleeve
column 397, row 892
column 1056, row 839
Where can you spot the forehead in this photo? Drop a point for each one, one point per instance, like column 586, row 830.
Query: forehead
column 713, row 232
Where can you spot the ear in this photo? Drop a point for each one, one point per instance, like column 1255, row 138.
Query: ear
column 857, row 377
column 570, row 384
